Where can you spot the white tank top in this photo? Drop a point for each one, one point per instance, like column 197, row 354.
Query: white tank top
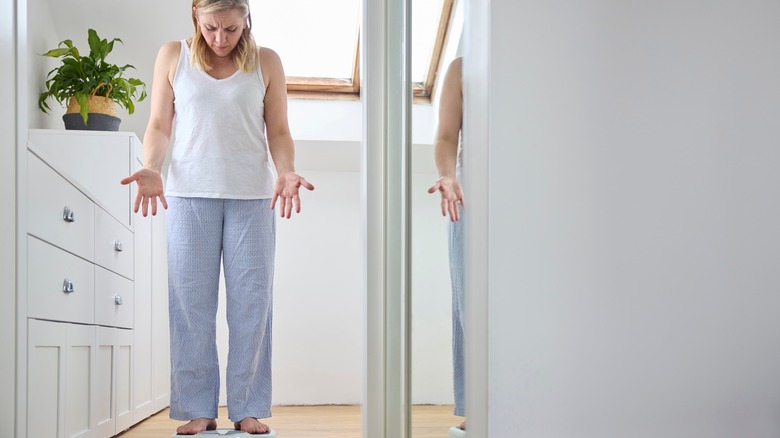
column 219, row 148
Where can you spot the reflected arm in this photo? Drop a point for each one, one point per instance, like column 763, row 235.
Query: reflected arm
column 445, row 145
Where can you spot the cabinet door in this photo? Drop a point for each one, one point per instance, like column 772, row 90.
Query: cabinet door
column 78, row 368
column 103, row 381
column 46, row 384
column 142, row 325
column 124, row 379
column 161, row 362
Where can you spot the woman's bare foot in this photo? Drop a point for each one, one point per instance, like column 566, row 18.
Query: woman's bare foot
column 462, row 426
column 197, row 426
column 252, row 426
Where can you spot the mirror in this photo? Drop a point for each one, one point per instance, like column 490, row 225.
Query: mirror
column 434, row 48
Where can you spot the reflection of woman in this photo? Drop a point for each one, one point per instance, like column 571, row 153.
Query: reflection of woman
column 230, row 104
column 448, row 154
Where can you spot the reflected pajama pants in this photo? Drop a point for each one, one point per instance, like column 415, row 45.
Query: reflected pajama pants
column 201, row 233
column 456, row 250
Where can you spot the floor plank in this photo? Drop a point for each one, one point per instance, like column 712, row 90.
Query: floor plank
column 312, row 422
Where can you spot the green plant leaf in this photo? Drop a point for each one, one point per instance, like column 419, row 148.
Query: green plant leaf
column 56, row 53
column 94, row 41
column 84, row 105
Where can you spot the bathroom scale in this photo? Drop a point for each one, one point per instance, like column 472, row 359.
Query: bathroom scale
column 456, row 432
column 228, row 432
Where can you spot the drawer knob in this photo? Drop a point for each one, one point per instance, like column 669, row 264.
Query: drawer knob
column 118, row 300
column 117, row 246
column 67, row 286
column 68, row 215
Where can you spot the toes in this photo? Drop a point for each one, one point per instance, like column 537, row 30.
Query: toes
column 252, row 426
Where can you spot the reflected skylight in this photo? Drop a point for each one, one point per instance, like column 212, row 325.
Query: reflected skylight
column 314, row 38
column 426, row 15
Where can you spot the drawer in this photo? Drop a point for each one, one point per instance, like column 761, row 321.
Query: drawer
column 113, row 244
column 49, row 196
column 48, row 268
column 96, row 161
column 113, row 299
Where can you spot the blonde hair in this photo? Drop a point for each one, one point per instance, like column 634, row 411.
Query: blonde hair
column 245, row 52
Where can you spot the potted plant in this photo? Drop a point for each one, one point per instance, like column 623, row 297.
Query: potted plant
column 91, row 86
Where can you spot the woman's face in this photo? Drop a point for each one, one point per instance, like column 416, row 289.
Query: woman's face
column 222, row 30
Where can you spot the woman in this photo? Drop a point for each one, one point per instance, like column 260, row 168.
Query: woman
column 448, row 156
column 229, row 100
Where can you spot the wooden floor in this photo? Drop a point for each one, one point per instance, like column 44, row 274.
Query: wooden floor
column 312, row 422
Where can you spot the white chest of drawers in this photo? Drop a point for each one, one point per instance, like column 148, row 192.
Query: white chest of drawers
column 90, row 348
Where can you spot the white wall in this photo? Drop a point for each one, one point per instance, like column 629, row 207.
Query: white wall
column 7, row 221
column 634, row 216
column 45, row 37
column 318, row 296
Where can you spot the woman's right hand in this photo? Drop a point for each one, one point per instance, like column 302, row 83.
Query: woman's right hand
column 451, row 196
column 150, row 187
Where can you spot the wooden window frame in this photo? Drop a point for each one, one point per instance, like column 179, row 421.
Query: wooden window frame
column 328, row 88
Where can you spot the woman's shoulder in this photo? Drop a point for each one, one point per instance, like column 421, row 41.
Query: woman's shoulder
column 270, row 64
column 267, row 55
column 170, row 50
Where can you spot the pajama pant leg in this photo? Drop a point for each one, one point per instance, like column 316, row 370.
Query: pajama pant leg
column 456, row 250
column 194, row 248
column 249, row 246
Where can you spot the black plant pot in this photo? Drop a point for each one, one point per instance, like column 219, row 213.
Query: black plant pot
column 95, row 122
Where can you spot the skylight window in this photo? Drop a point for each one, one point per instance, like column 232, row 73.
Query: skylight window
column 314, row 38
column 318, row 43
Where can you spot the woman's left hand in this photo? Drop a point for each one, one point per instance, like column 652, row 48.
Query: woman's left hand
column 286, row 192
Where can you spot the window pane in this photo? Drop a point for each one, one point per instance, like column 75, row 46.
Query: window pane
column 426, row 15
column 314, row 38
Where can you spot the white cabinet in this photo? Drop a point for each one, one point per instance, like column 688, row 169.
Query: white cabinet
column 151, row 383
column 96, row 289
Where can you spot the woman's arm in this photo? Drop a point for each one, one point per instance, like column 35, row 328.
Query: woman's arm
column 280, row 142
column 158, row 131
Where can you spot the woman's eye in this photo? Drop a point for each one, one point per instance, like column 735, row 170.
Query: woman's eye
column 231, row 30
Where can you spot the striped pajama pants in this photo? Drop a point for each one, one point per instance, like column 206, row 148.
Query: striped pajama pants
column 239, row 234
column 456, row 250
